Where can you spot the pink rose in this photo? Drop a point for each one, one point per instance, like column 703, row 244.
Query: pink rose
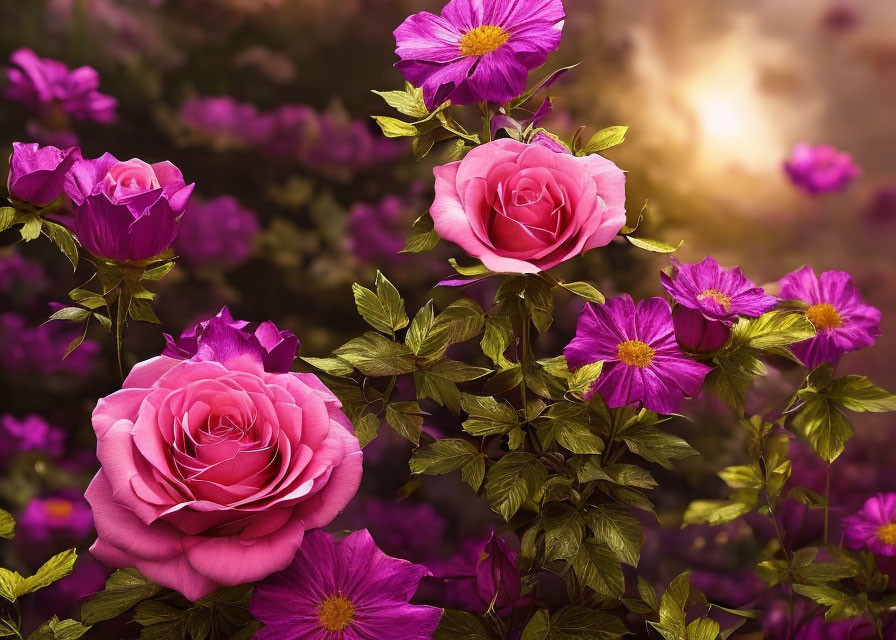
column 525, row 208
column 213, row 470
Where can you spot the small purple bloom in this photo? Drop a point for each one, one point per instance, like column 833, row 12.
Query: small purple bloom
column 693, row 331
column 26, row 350
column 477, row 51
column 874, row 527
column 843, row 321
column 881, row 210
column 376, row 231
column 65, row 517
column 820, row 169
column 498, row 580
column 217, row 232
column 642, row 361
column 403, row 529
column 346, row 590
column 21, row 277
column 126, row 210
column 29, row 433
column 543, row 139
column 222, row 121
column 222, row 338
column 44, row 84
column 37, row 174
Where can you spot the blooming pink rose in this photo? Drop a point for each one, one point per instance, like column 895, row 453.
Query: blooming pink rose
column 525, row 208
column 213, row 470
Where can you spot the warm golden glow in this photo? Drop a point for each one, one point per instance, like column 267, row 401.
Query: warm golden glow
column 887, row 534
column 58, row 508
column 824, row 316
column 635, row 353
column 336, row 613
column 718, row 296
column 482, row 40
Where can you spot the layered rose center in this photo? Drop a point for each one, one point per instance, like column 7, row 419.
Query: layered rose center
column 126, row 179
column 529, row 209
column 716, row 296
column 824, row 316
column 887, row 534
column 336, row 613
column 482, row 40
column 635, row 353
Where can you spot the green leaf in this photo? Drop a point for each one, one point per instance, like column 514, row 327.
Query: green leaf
column 407, row 419
column 63, row 239
column 605, row 139
column 409, row 102
column 159, row 272
column 56, row 629
column 30, row 230
column 443, row 456
column 7, row 525
column 563, row 531
column 13, row 585
column 773, row 572
column 703, row 629
column 383, row 310
column 573, row 622
column 429, row 336
column 395, row 128
column 141, row 310
column 823, row 425
column 488, row 416
column 124, row 589
column 538, row 626
column 473, row 472
column 513, row 480
column 673, row 603
column 597, row 566
column 366, row 429
column 478, row 269
column 657, row 446
column 824, row 594
column 822, row 572
column 772, row 330
column 460, row 625
column 7, row 217
column 422, row 236
column 648, row 594
column 584, row 290
column 72, row 314
column 332, row 366
column 653, row 245
column 582, row 379
column 742, row 476
column 568, row 424
column 716, row 512
column 858, row 393
column 619, row 531
column 497, row 339
column 732, row 378
column 375, row 355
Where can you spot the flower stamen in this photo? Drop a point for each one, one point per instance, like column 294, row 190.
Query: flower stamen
column 718, row 296
column 336, row 613
column 482, row 40
column 59, row 508
column 824, row 316
column 635, row 353
column 887, row 534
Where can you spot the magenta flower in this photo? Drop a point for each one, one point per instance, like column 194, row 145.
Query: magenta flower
column 411, row 531
column 377, row 230
column 498, row 580
column 345, row 590
column 820, row 169
column 222, row 121
column 477, row 51
column 64, row 517
column 710, row 299
column 29, row 433
column 642, row 361
column 874, row 526
column 218, row 233
column 27, row 350
column 222, row 338
column 21, row 278
column 843, row 321
column 37, row 174
column 43, row 84
column 126, row 210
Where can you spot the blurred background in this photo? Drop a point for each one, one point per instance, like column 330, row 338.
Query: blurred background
column 266, row 105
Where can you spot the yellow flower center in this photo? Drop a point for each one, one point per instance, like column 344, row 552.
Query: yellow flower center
column 635, row 353
column 718, row 296
column 824, row 316
column 58, row 508
column 482, row 40
column 887, row 534
column 336, row 613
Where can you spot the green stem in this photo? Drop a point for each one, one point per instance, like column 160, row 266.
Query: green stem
column 486, row 121
column 387, row 394
column 827, row 503
column 118, row 332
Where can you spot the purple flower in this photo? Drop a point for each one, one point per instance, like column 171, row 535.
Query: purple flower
column 37, row 174
column 284, row 132
column 43, row 84
column 223, row 339
column 218, row 232
column 223, row 121
column 710, row 299
column 65, row 517
column 29, row 433
column 642, row 361
column 543, row 139
column 874, row 527
column 477, row 51
column 345, row 590
column 881, row 210
column 820, row 169
column 843, row 321
column 21, row 276
column 818, row 628
column 126, row 210
column 27, row 350
column 411, row 531
column 376, row 231
column 498, row 580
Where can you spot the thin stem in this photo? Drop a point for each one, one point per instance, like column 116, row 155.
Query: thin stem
column 827, row 503
column 118, row 332
column 525, row 348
